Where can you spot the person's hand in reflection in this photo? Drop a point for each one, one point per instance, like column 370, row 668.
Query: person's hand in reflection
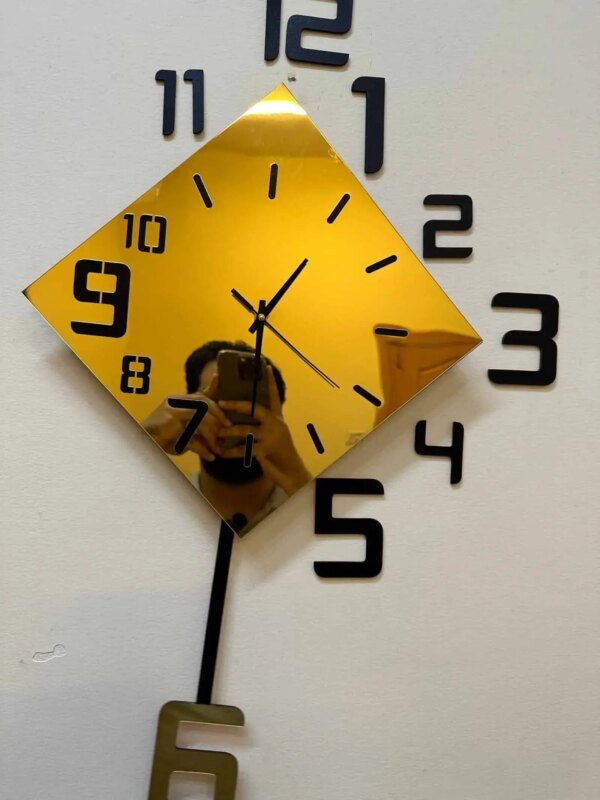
column 166, row 424
column 273, row 444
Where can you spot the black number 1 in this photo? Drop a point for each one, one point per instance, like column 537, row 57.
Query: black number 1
column 374, row 91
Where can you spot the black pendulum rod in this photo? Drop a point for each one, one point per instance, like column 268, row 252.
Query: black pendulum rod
column 215, row 609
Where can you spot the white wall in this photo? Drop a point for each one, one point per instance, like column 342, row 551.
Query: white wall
column 469, row 670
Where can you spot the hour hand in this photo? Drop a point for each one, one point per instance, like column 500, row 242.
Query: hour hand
column 243, row 302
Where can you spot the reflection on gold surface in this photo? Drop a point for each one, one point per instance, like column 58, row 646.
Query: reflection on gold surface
column 233, row 222
column 168, row 758
column 408, row 365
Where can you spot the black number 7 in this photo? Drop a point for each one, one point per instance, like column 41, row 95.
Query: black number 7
column 200, row 408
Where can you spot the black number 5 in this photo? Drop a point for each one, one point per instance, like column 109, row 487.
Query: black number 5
column 326, row 523
column 118, row 299
column 543, row 339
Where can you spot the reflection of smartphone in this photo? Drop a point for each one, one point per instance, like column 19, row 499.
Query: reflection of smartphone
column 236, row 378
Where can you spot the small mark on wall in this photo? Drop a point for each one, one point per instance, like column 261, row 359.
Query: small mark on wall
column 58, row 651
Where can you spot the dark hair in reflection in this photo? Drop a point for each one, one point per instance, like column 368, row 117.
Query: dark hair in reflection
column 209, row 352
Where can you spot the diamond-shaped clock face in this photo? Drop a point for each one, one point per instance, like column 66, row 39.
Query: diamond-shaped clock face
column 161, row 303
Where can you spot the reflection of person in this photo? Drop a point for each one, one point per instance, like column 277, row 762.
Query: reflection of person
column 277, row 470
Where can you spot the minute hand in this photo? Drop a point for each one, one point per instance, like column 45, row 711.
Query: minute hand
column 280, row 293
column 250, row 308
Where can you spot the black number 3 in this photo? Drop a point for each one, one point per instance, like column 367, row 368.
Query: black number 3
column 543, row 339
column 118, row 299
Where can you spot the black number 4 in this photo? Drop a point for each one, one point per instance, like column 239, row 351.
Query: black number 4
column 543, row 339
column 326, row 523
column 453, row 451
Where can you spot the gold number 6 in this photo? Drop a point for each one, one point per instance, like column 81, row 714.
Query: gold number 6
column 168, row 758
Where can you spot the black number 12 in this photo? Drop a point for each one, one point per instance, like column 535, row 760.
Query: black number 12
column 297, row 25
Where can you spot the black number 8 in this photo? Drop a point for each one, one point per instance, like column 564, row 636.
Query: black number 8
column 136, row 368
column 119, row 299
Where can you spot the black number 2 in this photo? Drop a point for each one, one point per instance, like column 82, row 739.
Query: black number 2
column 543, row 339
column 431, row 228
column 326, row 523
column 118, row 299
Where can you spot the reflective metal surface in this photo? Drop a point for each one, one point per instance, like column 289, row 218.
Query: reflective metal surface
column 226, row 220
column 168, row 758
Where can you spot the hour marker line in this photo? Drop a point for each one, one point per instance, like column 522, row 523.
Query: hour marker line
column 203, row 191
column 273, row 181
column 248, row 451
column 400, row 332
column 315, row 438
column 338, row 209
column 367, row 395
column 385, row 262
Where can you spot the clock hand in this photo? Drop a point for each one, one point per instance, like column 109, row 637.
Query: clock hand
column 259, row 325
column 295, row 350
column 243, row 302
column 260, row 329
column 278, row 295
column 250, row 308
column 216, row 608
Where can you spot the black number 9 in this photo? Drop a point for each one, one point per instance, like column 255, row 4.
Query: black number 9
column 119, row 299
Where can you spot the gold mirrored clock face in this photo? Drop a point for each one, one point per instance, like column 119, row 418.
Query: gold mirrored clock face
column 160, row 305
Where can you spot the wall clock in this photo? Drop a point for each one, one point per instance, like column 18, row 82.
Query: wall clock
column 265, row 312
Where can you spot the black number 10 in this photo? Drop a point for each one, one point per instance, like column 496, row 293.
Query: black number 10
column 142, row 243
